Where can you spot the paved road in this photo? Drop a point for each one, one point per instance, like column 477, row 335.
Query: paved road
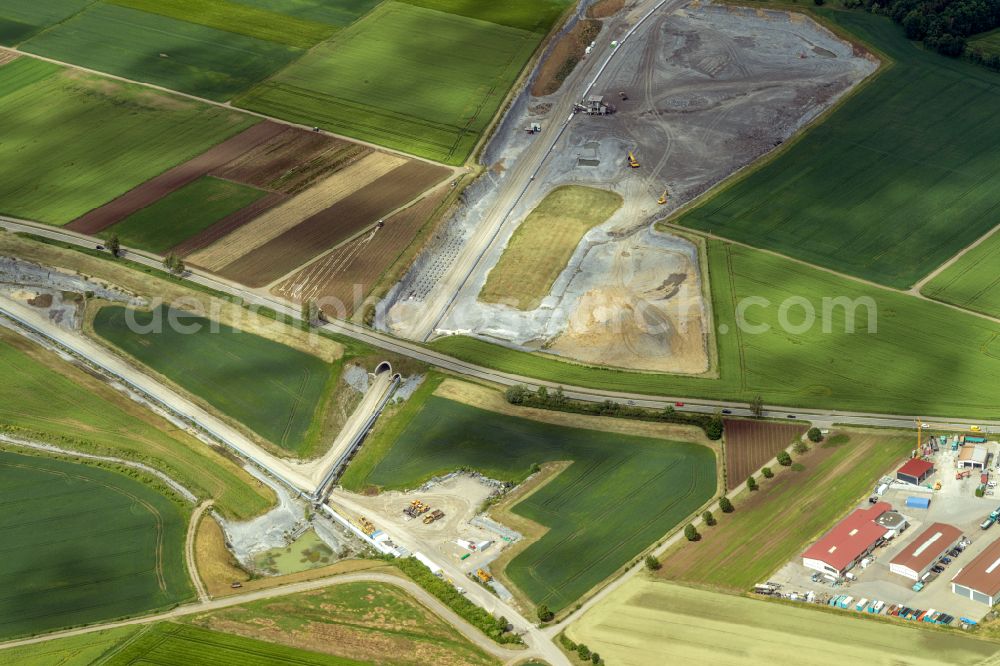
column 192, row 561
column 431, row 357
column 420, row 594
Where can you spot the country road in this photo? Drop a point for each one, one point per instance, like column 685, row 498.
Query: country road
column 420, row 594
column 424, row 354
column 189, row 554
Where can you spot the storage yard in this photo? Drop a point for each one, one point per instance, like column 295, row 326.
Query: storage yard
column 922, row 527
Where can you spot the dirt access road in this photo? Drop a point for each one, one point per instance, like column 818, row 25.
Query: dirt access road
column 417, row 321
column 467, row 630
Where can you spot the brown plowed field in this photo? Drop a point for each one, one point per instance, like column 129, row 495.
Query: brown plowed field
column 173, row 179
column 228, row 224
column 334, row 225
column 290, row 161
column 331, row 280
column 750, row 444
column 299, row 208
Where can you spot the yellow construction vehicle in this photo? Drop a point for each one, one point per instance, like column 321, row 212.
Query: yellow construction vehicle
column 632, row 162
column 663, row 198
column 484, row 575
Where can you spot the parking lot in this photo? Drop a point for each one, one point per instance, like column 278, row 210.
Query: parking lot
column 954, row 504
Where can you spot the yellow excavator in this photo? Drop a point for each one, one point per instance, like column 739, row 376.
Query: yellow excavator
column 663, row 198
column 632, row 162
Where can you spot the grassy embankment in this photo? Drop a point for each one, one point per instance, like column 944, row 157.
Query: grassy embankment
column 543, row 244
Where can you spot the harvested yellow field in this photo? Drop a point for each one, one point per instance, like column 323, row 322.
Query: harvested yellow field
column 542, row 246
column 280, row 219
column 687, row 626
column 6, row 56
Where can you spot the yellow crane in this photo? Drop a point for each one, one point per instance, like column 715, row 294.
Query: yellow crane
column 663, row 198
column 632, row 162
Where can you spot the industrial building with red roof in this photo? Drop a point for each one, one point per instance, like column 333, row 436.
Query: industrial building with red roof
column 848, row 542
column 927, row 548
column 979, row 580
column 915, row 471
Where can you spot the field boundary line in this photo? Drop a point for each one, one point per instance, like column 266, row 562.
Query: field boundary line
column 228, row 105
column 917, row 289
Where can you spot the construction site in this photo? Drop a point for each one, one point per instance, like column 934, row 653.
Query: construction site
column 440, row 522
column 691, row 97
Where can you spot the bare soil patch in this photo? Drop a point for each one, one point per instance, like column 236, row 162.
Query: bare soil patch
column 7, row 56
column 605, row 8
column 292, row 160
column 333, row 225
column 301, row 207
column 750, row 444
column 565, row 56
column 173, row 179
column 347, row 274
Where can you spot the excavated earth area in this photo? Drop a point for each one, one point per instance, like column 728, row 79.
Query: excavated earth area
column 709, row 90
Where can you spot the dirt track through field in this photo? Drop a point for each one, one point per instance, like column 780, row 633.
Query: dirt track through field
column 750, row 444
column 288, row 215
column 172, row 180
column 282, row 253
column 360, row 262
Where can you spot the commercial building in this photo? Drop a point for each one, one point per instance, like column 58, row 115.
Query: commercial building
column 979, row 580
column 848, row 542
column 915, row 471
column 972, row 456
column 927, row 548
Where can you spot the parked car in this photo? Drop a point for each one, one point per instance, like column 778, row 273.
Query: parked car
column 937, row 568
column 945, row 561
column 955, row 552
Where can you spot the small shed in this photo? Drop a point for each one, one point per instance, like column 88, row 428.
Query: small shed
column 915, row 471
column 918, row 502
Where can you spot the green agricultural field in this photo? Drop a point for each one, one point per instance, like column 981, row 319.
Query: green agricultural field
column 83, row 650
column 20, row 19
column 418, row 80
column 157, row 49
column 923, row 358
column 972, row 282
column 988, row 42
column 182, row 214
column 837, row 475
column 238, row 18
column 45, row 398
column 168, row 644
column 533, row 15
column 74, row 141
column 688, row 626
column 543, row 244
column 83, row 544
column 621, row 493
column 339, row 13
column 274, row 390
column 882, row 189
column 366, row 618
